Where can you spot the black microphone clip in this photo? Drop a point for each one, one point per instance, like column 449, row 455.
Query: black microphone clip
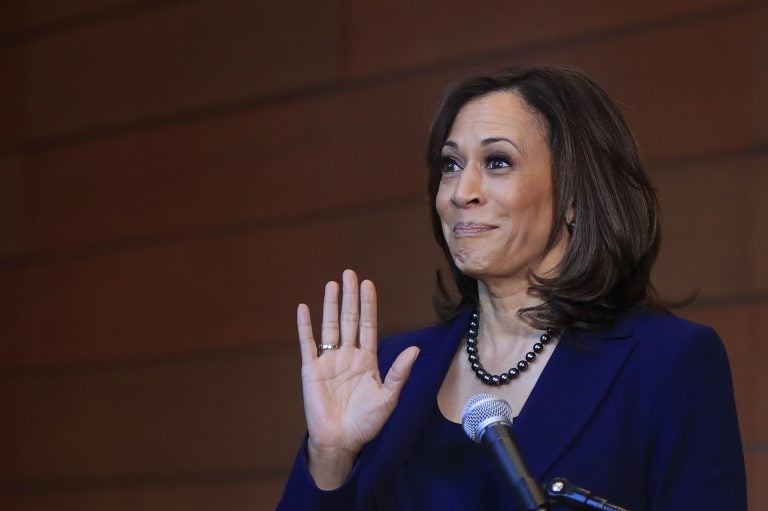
column 560, row 489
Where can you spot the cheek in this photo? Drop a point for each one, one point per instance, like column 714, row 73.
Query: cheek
column 443, row 203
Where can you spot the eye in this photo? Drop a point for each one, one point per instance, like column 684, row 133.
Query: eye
column 449, row 165
column 498, row 161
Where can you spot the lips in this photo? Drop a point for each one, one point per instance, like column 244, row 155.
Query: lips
column 470, row 228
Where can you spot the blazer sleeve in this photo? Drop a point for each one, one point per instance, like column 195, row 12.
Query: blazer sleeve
column 301, row 492
column 697, row 460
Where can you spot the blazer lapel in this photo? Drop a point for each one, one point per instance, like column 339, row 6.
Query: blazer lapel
column 417, row 400
column 568, row 392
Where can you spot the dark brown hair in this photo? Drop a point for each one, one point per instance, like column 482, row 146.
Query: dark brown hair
column 596, row 170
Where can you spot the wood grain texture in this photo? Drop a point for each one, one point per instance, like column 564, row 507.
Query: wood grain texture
column 283, row 161
column 247, row 495
column 429, row 31
column 11, row 99
column 24, row 18
column 344, row 149
column 182, row 57
column 206, row 419
column 239, row 289
column 13, row 204
column 710, row 227
column 13, row 306
column 669, row 87
column 757, row 474
column 758, row 220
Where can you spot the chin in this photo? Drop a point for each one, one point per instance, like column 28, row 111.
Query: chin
column 470, row 266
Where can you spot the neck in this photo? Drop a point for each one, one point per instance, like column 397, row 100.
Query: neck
column 501, row 328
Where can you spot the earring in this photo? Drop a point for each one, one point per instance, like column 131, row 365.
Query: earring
column 571, row 226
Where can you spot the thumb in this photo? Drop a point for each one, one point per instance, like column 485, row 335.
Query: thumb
column 400, row 370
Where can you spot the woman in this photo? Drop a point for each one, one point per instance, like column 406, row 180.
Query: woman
column 550, row 226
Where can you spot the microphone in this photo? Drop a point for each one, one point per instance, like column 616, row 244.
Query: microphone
column 487, row 420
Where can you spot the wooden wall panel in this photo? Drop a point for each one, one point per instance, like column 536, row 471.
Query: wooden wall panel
column 11, row 97
column 248, row 495
column 225, row 291
column 205, row 418
column 450, row 31
column 283, row 161
column 709, row 226
column 44, row 13
column 11, row 15
column 190, row 56
column 759, row 222
column 22, row 16
column 101, row 81
column 12, row 310
column 757, row 470
column 367, row 144
column 13, row 203
column 669, row 86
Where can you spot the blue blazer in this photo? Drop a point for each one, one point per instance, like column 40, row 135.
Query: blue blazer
column 642, row 414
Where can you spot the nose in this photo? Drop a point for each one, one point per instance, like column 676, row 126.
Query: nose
column 468, row 188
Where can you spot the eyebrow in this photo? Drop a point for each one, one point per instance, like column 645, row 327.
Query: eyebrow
column 485, row 142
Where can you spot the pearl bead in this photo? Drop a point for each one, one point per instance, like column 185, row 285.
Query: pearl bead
column 503, row 378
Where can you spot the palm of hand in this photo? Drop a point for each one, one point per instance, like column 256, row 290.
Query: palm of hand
column 346, row 403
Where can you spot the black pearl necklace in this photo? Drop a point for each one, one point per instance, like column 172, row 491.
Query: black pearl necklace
column 514, row 372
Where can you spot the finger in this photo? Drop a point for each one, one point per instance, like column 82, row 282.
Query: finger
column 330, row 330
column 306, row 339
column 399, row 371
column 350, row 310
column 368, row 316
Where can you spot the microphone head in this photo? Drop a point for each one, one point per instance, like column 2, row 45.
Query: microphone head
column 482, row 410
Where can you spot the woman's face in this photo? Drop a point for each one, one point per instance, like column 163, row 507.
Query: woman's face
column 495, row 198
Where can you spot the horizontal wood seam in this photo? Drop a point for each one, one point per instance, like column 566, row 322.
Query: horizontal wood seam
column 16, row 261
column 11, row 373
column 222, row 108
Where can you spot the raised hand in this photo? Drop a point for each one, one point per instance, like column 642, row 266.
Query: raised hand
column 345, row 401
